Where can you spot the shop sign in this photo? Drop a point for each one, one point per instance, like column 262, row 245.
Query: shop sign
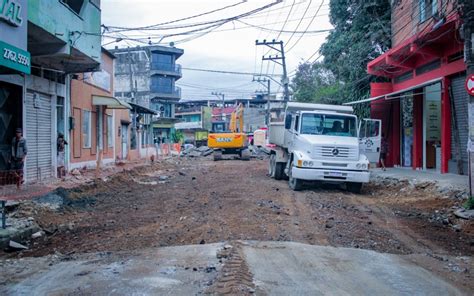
column 13, row 35
column 14, row 58
column 10, row 12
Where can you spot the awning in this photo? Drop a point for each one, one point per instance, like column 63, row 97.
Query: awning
column 426, row 83
column 364, row 100
column 389, row 96
column 110, row 102
column 142, row 109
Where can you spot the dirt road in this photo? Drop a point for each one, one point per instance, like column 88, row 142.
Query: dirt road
column 199, row 201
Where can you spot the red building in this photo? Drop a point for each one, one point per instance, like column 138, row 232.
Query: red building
column 423, row 106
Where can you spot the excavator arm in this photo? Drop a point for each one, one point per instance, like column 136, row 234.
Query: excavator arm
column 237, row 120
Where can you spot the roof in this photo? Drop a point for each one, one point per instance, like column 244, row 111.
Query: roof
column 111, row 55
column 142, row 109
column 297, row 106
column 152, row 48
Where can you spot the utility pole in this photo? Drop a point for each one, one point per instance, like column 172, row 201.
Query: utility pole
column 467, row 14
column 221, row 95
column 267, row 81
column 279, row 59
column 132, row 97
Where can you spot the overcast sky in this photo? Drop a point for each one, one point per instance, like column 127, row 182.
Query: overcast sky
column 230, row 47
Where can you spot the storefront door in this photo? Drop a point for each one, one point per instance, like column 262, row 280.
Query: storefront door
column 432, row 127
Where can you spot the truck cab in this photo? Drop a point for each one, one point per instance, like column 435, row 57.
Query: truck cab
column 321, row 143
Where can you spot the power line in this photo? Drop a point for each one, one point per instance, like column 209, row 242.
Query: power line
column 179, row 20
column 299, row 23
column 307, row 27
column 222, row 71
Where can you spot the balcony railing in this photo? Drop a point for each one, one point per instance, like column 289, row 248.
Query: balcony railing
column 166, row 92
column 156, row 66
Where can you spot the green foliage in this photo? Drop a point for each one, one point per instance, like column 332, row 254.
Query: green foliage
column 361, row 33
column 178, row 137
column 469, row 203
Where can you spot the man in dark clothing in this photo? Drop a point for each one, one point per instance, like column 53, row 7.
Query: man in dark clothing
column 19, row 151
column 61, row 149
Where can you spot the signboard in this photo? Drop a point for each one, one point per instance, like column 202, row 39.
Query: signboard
column 470, row 85
column 14, row 58
column 10, row 12
column 13, row 35
column 100, row 79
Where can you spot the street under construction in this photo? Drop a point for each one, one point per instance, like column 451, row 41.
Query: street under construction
column 197, row 201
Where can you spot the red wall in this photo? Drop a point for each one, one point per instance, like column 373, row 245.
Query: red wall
column 389, row 113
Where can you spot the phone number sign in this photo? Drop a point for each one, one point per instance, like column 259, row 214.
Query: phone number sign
column 15, row 58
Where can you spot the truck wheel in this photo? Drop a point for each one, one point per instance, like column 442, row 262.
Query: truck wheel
column 279, row 170
column 217, row 155
column 295, row 184
column 354, row 187
column 271, row 165
column 245, row 154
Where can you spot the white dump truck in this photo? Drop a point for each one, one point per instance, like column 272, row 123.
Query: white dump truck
column 327, row 143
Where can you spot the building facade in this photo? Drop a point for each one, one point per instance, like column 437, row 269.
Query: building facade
column 147, row 76
column 423, row 104
column 191, row 123
column 94, row 111
column 57, row 47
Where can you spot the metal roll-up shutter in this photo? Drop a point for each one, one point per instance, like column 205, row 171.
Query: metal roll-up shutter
column 461, row 99
column 39, row 137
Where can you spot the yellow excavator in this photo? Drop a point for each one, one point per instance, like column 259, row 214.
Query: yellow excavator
column 231, row 141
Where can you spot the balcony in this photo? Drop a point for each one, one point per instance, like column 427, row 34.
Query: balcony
column 165, row 69
column 159, row 92
column 55, row 35
column 188, row 125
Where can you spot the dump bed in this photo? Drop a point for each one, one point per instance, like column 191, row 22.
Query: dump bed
column 277, row 133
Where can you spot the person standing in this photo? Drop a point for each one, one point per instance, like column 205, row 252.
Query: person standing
column 19, row 151
column 61, row 148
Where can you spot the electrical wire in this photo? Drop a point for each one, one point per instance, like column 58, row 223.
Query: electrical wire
column 223, row 72
column 307, row 27
column 178, row 20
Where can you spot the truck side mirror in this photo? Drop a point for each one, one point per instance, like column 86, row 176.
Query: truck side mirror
column 288, row 121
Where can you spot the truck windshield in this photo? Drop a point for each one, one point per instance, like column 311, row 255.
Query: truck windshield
column 329, row 125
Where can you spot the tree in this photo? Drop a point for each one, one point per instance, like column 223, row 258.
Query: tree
column 362, row 32
column 314, row 83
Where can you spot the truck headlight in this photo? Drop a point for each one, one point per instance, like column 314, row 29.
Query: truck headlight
column 361, row 166
column 307, row 163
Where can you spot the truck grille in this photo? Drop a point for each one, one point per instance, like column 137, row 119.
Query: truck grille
column 336, row 152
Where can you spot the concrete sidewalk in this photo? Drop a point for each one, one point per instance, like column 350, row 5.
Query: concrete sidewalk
column 443, row 181
column 274, row 268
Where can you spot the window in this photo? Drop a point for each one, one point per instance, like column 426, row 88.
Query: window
column 86, row 129
column 161, row 84
column 428, row 67
column 297, row 122
column 110, row 131
column 404, row 77
column 75, row 5
column 428, row 8
column 162, row 62
column 329, row 125
column 60, row 115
